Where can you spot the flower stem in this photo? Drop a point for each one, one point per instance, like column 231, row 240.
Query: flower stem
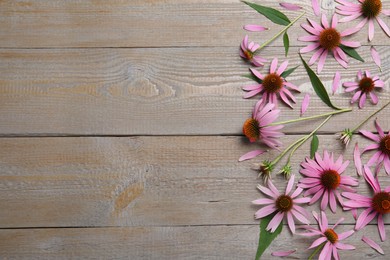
column 312, row 117
column 316, row 251
column 279, row 33
column 307, row 137
column 276, row 160
column 373, row 114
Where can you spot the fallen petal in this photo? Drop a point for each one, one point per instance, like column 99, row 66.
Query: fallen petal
column 376, row 57
column 292, row 7
column 305, row 104
column 336, row 82
column 372, row 244
column 357, row 160
column 251, row 155
column 316, row 7
column 283, row 253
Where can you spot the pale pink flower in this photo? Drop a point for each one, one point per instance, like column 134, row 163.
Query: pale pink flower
column 255, row 28
column 323, row 178
column 248, row 52
column 381, row 147
column 305, row 103
column 316, row 7
column 365, row 85
column 257, row 128
column 289, row 6
column 326, row 39
column 328, row 236
column 372, row 244
column 272, row 85
column 376, row 205
column 369, row 10
column 282, row 204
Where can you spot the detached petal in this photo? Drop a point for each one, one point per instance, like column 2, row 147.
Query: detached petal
column 290, row 6
column 357, row 160
column 283, row 253
column 255, row 28
column 316, row 7
column 376, row 57
column 250, row 155
column 336, row 82
column 372, row 244
column 305, row 104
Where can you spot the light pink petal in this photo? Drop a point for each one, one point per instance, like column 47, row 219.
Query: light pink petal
column 308, row 38
column 251, row 155
column 362, row 218
column 283, row 253
column 251, row 87
column 315, row 56
column 338, row 222
column 290, row 184
column 289, row 6
column 300, row 216
column 351, row 44
column 251, row 93
column 383, row 26
column 274, row 223
column 346, row 234
column 317, row 242
column 256, row 73
column 357, row 160
column 372, row 244
column 325, row 252
column 356, row 96
column 374, row 98
column 310, row 29
column 266, row 191
column 285, row 99
column 321, row 62
column 336, row 82
column 371, row 179
column 362, row 100
column 339, row 59
column 324, row 220
column 255, row 28
column 324, row 21
column 282, row 67
column 370, row 135
column 371, row 29
column 310, row 48
column 272, row 187
column 274, row 65
column 349, row 31
column 316, row 7
column 335, row 254
column 290, row 222
column 375, row 56
column 350, row 18
column 324, row 201
column 379, row 129
column 263, row 201
column 334, row 21
column 296, row 193
column 305, row 103
column 332, row 202
column 381, row 227
column 344, row 246
column 265, row 211
column 386, row 12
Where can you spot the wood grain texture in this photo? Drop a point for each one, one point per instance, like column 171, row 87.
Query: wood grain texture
column 210, row 242
column 139, row 181
column 153, row 23
column 194, row 91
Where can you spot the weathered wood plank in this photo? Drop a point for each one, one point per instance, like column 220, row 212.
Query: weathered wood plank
column 118, row 23
column 138, row 181
column 203, row 242
column 174, row 91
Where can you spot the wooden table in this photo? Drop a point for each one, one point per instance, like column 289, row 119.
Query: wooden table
column 121, row 129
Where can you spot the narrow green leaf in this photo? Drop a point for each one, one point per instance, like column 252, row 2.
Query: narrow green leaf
column 351, row 52
column 287, row 73
column 286, row 43
column 318, row 86
column 265, row 237
column 314, row 146
column 272, row 14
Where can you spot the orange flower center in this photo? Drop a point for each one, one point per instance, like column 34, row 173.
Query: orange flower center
column 330, row 179
column 384, row 145
column 371, row 8
column 381, row 202
column 366, row 84
column 251, row 129
column 248, row 54
column 330, row 38
column 284, row 203
column 331, row 235
column 272, row 83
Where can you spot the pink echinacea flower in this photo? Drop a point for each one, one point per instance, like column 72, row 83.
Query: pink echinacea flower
column 247, row 52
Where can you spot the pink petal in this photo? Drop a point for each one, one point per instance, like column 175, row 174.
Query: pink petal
column 309, row 48
column 316, row 7
column 265, row 211
column 274, row 65
column 282, row 67
column 374, row 98
column 372, row 244
column 362, row 100
column 379, row 129
column 344, row 246
column 317, row 242
column 325, row 252
column 324, row 21
column 362, row 218
column 290, row 222
column 375, row 56
column 357, row 160
column 324, row 201
column 321, row 63
column 251, row 155
column 370, row 179
column 305, row 104
column 371, row 29
column 346, row 234
column 336, row 82
column 384, row 26
column 381, row 227
column 290, row 184
column 256, row 73
column 332, row 202
column 263, row 201
column 351, row 44
column 274, row 223
column 283, row 253
column 334, row 21
column 255, row 28
column 291, row 7
column 272, row 187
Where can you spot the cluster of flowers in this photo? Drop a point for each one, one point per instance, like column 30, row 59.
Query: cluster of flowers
column 323, row 179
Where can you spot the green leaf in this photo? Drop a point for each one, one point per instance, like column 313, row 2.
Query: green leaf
column 287, row 73
column 286, row 43
column 266, row 237
column 272, row 14
column 351, row 52
column 314, row 146
column 318, row 86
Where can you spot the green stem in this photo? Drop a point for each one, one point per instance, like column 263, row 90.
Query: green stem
column 286, row 150
column 373, row 114
column 312, row 117
column 279, row 33
column 316, row 251
column 307, row 137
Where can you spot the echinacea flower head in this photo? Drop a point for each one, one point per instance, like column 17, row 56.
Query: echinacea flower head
column 369, row 10
column 364, row 86
column 248, row 52
column 265, row 169
column 381, row 147
column 324, row 178
column 345, row 136
column 282, row 204
column 328, row 236
column 376, row 205
column 326, row 39
column 257, row 127
column 272, row 85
